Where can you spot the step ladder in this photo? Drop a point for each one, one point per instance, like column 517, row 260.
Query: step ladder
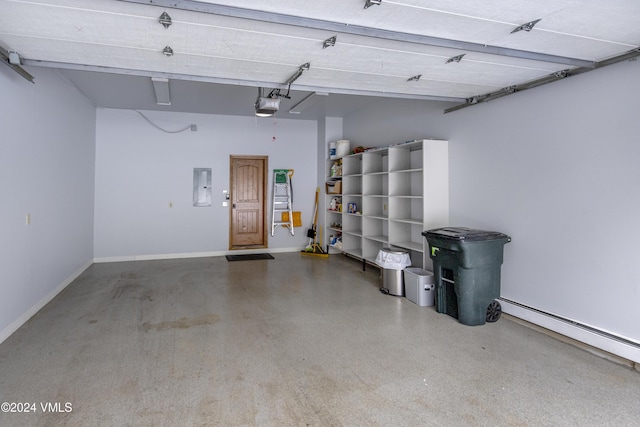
column 282, row 200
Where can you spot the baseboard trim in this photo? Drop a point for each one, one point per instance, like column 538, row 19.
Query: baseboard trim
column 16, row 324
column 192, row 255
column 606, row 342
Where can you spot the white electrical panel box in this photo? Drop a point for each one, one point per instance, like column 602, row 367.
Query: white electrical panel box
column 201, row 187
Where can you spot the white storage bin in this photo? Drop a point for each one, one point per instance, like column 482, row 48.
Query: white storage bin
column 343, row 148
column 419, row 286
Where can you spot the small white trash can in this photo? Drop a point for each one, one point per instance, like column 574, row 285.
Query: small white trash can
column 419, row 286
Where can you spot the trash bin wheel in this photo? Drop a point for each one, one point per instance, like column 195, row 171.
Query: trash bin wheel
column 494, row 311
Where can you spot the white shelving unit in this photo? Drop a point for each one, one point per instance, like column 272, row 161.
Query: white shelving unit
column 333, row 215
column 390, row 195
column 351, row 204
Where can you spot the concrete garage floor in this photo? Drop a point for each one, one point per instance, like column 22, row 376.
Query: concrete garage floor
column 294, row 341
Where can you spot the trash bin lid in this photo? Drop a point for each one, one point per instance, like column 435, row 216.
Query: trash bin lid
column 393, row 259
column 464, row 233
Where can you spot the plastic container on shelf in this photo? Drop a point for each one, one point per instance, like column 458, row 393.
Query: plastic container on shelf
column 332, row 150
column 343, row 147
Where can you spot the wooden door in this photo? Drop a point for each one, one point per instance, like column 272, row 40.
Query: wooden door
column 248, row 202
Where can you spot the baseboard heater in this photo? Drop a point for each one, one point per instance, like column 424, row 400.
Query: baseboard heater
column 594, row 337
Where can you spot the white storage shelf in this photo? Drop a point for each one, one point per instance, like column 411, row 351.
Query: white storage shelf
column 398, row 191
column 334, row 221
column 333, row 218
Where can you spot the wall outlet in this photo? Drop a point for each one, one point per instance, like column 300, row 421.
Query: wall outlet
column 28, row 219
column 170, row 204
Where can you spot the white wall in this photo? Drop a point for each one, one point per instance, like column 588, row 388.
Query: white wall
column 47, row 171
column 140, row 170
column 556, row 168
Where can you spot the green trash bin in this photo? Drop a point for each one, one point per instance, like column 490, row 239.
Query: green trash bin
column 466, row 264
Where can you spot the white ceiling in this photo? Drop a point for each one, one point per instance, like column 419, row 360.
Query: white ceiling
column 227, row 48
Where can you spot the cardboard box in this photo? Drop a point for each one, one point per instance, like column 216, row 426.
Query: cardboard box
column 334, row 187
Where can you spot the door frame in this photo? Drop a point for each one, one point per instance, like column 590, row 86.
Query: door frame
column 265, row 184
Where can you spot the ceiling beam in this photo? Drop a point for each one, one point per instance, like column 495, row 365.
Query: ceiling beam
column 345, row 28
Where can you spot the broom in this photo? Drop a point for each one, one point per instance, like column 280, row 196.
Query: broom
column 313, row 248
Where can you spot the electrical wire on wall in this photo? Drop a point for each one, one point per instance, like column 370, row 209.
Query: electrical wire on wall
column 191, row 127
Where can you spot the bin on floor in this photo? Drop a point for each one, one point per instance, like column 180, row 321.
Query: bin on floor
column 419, row 286
column 392, row 262
column 466, row 265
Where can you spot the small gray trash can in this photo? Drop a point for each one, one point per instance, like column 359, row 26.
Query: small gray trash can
column 392, row 262
column 420, row 286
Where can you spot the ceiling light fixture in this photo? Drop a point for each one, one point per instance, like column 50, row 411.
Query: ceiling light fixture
column 369, row 3
column 167, row 51
column 414, row 78
column 331, row 41
column 455, row 58
column 526, row 27
column 165, row 20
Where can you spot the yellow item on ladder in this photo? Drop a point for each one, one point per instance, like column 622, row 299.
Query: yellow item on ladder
column 297, row 218
column 282, row 200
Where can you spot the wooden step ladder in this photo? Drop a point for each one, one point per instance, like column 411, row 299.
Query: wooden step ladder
column 282, row 200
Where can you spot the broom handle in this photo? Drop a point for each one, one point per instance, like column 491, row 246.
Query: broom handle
column 315, row 213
